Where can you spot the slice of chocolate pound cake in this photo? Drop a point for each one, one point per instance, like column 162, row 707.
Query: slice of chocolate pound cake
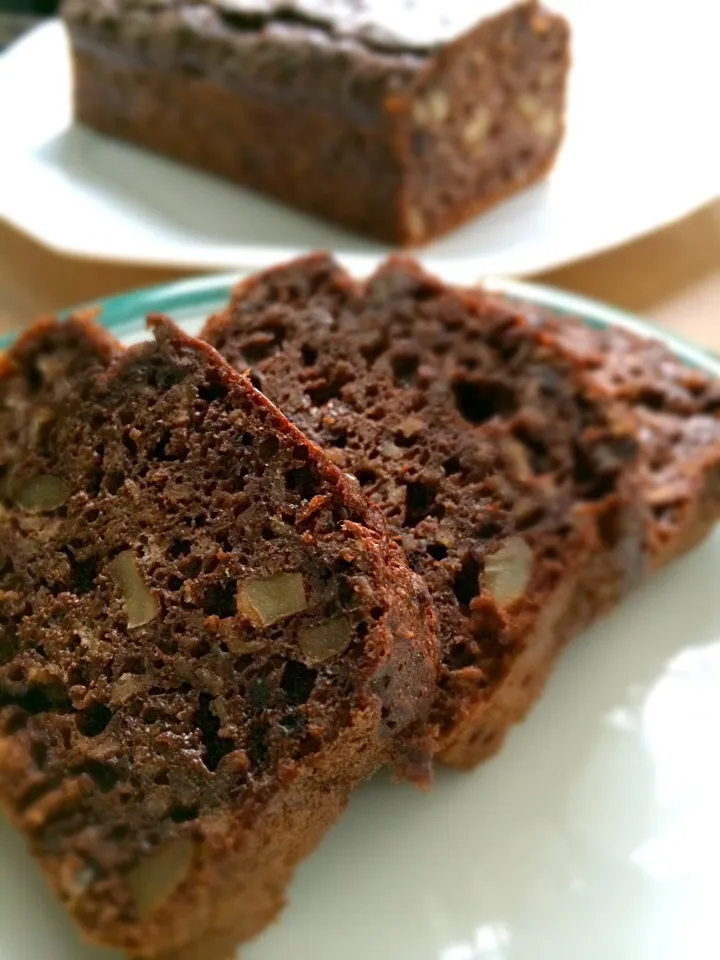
column 396, row 118
column 678, row 412
column 206, row 638
column 505, row 472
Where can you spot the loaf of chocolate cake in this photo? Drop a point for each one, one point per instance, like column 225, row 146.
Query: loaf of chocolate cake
column 396, row 118
column 206, row 638
column 510, row 477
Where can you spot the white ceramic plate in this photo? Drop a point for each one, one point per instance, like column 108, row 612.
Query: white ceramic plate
column 594, row 835
column 642, row 150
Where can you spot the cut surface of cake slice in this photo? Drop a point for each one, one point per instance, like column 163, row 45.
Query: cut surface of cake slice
column 508, row 476
column 677, row 407
column 206, row 638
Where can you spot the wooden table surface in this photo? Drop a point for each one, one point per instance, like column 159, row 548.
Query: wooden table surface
column 672, row 277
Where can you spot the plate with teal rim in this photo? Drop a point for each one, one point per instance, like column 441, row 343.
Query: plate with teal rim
column 593, row 835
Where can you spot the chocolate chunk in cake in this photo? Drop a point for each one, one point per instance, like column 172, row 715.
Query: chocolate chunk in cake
column 206, row 638
column 396, row 118
column 508, row 476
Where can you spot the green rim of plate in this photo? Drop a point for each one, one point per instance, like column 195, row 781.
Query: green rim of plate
column 198, row 297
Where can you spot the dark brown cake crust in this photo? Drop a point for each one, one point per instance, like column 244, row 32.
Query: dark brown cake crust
column 206, row 638
column 508, row 477
column 405, row 132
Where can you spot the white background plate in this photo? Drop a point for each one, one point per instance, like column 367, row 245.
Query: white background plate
column 594, row 835
column 642, row 149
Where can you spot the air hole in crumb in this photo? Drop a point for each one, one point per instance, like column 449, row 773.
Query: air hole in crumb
column 50, row 698
column 377, row 612
column 297, row 682
column 488, row 530
column 479, row 400
column 452, row 466
column 82, row 575
column 309, row 356
column 405, row 367
column 326, row 391
column 438, row 551
column 94, row 481
column 262, row 343
column 365, row 476
column 530, row 518
column 39, row 752
column 405, row 440
column 134, row 665
column 212, row 391
column 267, row 533
column 460, row 656
column 129, row 444
column 374, row 348
column 258, row 749
column 200, row 649
column 293, row 723
column 164, row 377
column 192, row 567
column 301, row 480
column 180, row 548
column 160, row 450
column 183, row 814
column 651, row 398
column 114, row 480
column 419, row 501
column 9, row 643
column 539, row 456
column 215, row 747
column 256, row 380
column 92, row 722
column 101, row 774
column 168, row 646
column 34, row 379
column 258, row 693
column 14, row 724
column 268, row 448
column 466, row 585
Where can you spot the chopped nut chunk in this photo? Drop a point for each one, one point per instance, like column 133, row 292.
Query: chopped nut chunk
column 42, row 494
column 325, row 640
column 154, row 879
column 264, row 602
column 141, row 606
column 507, row 572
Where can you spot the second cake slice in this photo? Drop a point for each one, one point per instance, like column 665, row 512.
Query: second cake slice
column 509, row 478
